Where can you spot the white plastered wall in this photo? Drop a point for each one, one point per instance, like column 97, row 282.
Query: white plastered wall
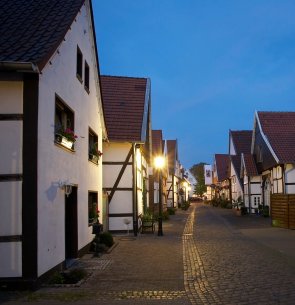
column 56, row 164
column 290, row 178
column 11, row 102
column 122, row 200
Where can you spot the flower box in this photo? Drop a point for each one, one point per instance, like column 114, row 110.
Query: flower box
column 93, row 158
column 64, row 141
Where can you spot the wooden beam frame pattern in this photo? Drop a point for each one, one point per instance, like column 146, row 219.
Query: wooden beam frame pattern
column 115, row 187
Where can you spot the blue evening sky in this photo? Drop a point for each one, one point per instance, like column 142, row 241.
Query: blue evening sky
column 211, row 63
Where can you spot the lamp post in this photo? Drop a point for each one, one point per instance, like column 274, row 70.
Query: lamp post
column 159, row 163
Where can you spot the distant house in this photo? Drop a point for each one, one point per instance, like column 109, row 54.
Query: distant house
column 127, row 109
column 175, row 174
column 252, row 183
column 49, row 92
column 221, row 182
column 239, row 142
column 158, row 149
column 273, row 148
column 208, row 176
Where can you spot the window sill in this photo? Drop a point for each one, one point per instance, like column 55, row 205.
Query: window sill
column 79, row 78
column 64, row 143
column 87, row 89
column 93, row 159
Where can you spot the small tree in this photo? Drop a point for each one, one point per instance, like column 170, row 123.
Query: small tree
column 198, row 171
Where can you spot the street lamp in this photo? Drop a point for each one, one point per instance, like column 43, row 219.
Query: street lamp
column 159, row 163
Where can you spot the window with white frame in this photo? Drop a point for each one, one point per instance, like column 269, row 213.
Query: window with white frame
column 64, row 124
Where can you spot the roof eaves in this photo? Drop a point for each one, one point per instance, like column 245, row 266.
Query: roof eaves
column 18, row 67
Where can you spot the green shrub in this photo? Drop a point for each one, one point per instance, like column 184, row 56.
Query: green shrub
column 185, row 205
column 171, row 211
column 74, row 275
column 71, row 277
column 57, row 278
column 106, row 238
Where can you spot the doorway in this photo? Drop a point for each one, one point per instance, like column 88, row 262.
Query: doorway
column 71, row 225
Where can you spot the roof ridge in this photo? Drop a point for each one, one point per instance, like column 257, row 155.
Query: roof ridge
column 275, row 111
column 121, row 76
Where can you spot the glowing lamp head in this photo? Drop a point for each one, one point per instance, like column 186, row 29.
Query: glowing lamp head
column 159, row 162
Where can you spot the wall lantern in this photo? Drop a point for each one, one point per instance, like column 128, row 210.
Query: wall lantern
column 66, row 186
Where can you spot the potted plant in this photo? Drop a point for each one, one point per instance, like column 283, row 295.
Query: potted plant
column 65, row 137
column 238, row 206
column 266, row 211
column 94, row 153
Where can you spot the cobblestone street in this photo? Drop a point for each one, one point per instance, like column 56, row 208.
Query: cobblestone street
column 206, row 256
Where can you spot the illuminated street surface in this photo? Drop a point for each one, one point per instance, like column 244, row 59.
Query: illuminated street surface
column 205, row 256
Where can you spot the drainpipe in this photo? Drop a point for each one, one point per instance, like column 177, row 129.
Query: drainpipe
column 134, row 192
column 173, row 191
column 249, row 194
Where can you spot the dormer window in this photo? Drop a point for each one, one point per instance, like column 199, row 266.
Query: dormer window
column 79, row 71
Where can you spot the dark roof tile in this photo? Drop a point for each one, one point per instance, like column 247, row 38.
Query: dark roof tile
column 242, row 141
column 250, row 165
column 222, row 166
column 157, row 142
column 31, row 30
column 279, row 129
column 124, row 101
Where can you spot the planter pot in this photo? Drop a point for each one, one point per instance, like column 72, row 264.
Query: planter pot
column 93, row 158
column 238, row 212
column 64, row 141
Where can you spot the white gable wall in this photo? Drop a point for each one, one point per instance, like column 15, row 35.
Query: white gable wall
column 55, row 163
column 232, row 150
column 235, row 185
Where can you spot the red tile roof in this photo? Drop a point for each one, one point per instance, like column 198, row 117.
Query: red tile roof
column 250, row 165
column 222, row 166
column 279, row 130
column 125, row 103
column 157, row 142
column 172, row 155
column 242, row 140
column 31, row 30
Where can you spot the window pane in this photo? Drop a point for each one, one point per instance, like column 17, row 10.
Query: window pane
column 79, row 63
column 86, row 76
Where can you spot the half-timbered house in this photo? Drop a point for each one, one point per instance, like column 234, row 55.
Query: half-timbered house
column 158, row 149
column 221, row 187
column 175, row 175
column 127, row 109
column 273, row 147
column 252, row 183
column 50, row 119
column 239, row 142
